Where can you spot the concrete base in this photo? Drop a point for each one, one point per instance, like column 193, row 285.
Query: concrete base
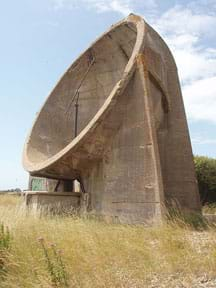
column 53, row 201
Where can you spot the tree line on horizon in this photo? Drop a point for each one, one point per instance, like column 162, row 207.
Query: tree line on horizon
column 205, row 168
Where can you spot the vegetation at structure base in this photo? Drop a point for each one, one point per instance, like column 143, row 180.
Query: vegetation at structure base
column 5, row 242
column 206, row 175
column 192, row 220
column 101, row 255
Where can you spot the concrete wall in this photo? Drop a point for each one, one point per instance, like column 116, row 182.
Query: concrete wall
column 53, row 202
column 132, row 153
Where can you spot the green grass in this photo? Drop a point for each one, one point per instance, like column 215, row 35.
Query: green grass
column 96, row 254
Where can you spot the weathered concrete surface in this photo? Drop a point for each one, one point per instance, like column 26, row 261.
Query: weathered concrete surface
column 52, row 201
column 132, row 152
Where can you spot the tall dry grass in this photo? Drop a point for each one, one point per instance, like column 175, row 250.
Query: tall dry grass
column 96, row 254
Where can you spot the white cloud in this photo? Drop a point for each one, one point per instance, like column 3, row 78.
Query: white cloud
column 183, row 31
column 123, row 7
column 188, row 34
column 180, row 21
column 200, row 99
column 195, row 64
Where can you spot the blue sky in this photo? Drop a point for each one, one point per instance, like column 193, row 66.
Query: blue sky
column 40, row 39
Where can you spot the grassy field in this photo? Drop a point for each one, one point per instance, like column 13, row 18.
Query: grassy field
column 75, row 252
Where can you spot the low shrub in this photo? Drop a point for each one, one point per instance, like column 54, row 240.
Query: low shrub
column 5, row 242
column 54, row 263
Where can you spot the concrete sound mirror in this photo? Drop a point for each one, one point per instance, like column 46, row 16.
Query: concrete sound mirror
column 116, row 123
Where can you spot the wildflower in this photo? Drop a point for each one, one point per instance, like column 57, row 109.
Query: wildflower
column 60, row 251
column 52, row 245
column 40, row 239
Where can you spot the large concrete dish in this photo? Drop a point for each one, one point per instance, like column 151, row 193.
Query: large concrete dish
column 51, row 142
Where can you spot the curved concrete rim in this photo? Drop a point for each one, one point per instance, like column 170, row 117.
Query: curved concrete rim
column 116, row 91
